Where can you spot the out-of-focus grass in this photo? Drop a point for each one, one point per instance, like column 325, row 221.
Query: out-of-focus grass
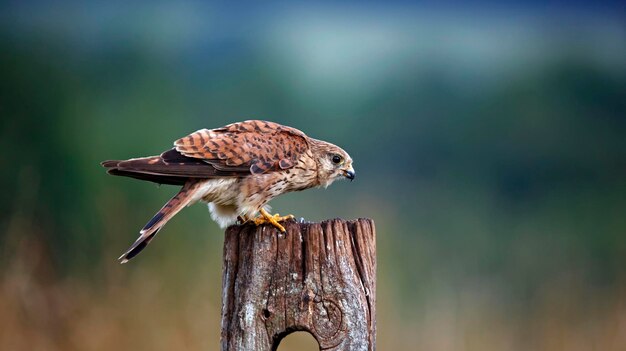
column 164, row 300
column 137, row 310
column 117, row 308
column 489, row 148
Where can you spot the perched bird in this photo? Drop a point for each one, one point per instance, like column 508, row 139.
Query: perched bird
column 237, row 169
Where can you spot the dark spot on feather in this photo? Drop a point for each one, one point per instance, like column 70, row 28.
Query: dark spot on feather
column 154, row 220
column 284, row 163
column 142, row 245
column 255, row 169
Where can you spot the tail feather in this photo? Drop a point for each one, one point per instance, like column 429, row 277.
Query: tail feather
column 137, row 247
column 169, row 210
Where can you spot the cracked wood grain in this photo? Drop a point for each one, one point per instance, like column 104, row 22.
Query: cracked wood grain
column 316, row 277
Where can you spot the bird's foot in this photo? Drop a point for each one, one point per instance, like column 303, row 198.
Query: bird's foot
column 265, row 217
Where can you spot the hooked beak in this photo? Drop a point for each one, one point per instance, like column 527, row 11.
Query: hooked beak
column 349, row 173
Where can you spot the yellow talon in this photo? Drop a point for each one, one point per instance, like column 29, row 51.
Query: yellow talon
column 265, row 217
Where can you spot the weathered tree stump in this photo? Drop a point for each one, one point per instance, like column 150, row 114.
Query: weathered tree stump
column 316, row 277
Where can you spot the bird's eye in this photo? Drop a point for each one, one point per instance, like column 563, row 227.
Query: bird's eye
column 337, row 159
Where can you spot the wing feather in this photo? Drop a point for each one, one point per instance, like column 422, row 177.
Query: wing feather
column 257, row 146
column 170, row 167
column 236, row 150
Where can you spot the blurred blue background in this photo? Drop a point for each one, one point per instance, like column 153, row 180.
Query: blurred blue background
column 489, row 142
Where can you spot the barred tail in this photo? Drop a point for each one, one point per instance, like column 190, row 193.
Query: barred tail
column 169, row 210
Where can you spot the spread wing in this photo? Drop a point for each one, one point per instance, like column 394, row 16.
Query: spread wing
column 251, row 146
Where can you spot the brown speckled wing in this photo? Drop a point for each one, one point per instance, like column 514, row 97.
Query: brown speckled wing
column 257, row 146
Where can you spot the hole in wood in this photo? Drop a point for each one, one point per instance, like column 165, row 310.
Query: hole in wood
column 297, row 341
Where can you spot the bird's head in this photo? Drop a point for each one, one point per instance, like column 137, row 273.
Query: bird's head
column 332, row 163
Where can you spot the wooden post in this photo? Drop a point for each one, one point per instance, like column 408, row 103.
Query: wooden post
column 316, row 277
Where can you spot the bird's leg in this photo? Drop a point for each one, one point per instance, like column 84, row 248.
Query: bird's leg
column 265, row 217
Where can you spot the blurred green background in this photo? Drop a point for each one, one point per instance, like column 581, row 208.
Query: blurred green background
column 489, row 143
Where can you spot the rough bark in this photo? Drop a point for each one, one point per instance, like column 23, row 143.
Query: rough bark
column 316, row 277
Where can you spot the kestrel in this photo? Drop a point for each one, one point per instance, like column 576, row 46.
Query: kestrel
column 237, row 169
